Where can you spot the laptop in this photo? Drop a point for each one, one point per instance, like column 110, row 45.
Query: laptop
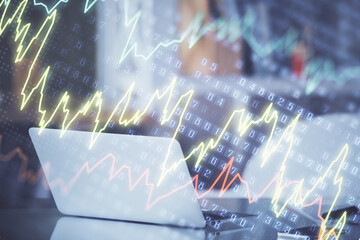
column 117, row 178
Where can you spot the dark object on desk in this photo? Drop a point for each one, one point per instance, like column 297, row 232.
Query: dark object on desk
column 27, row 223
column 337, row 213
column 218, row 215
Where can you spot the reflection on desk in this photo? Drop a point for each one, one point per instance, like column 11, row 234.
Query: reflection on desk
column 86, row 228
column 50, row 224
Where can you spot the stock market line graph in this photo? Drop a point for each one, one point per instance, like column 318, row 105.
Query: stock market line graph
column 88, row 5
column 178, row 117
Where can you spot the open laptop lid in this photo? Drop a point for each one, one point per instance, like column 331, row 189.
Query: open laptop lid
column 117, row 177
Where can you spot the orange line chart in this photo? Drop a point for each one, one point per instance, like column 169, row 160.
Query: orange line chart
column 297, row 196
column 25, row 175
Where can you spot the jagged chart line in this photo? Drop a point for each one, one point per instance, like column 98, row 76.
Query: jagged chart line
column 316, row 70
column 88, row 5
column 244, row 124
column 66, row 187
column 296, row 196
column 49, row 10
column 97, row 101
column 24, row 174
column 196, row 30
column 21, row 33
